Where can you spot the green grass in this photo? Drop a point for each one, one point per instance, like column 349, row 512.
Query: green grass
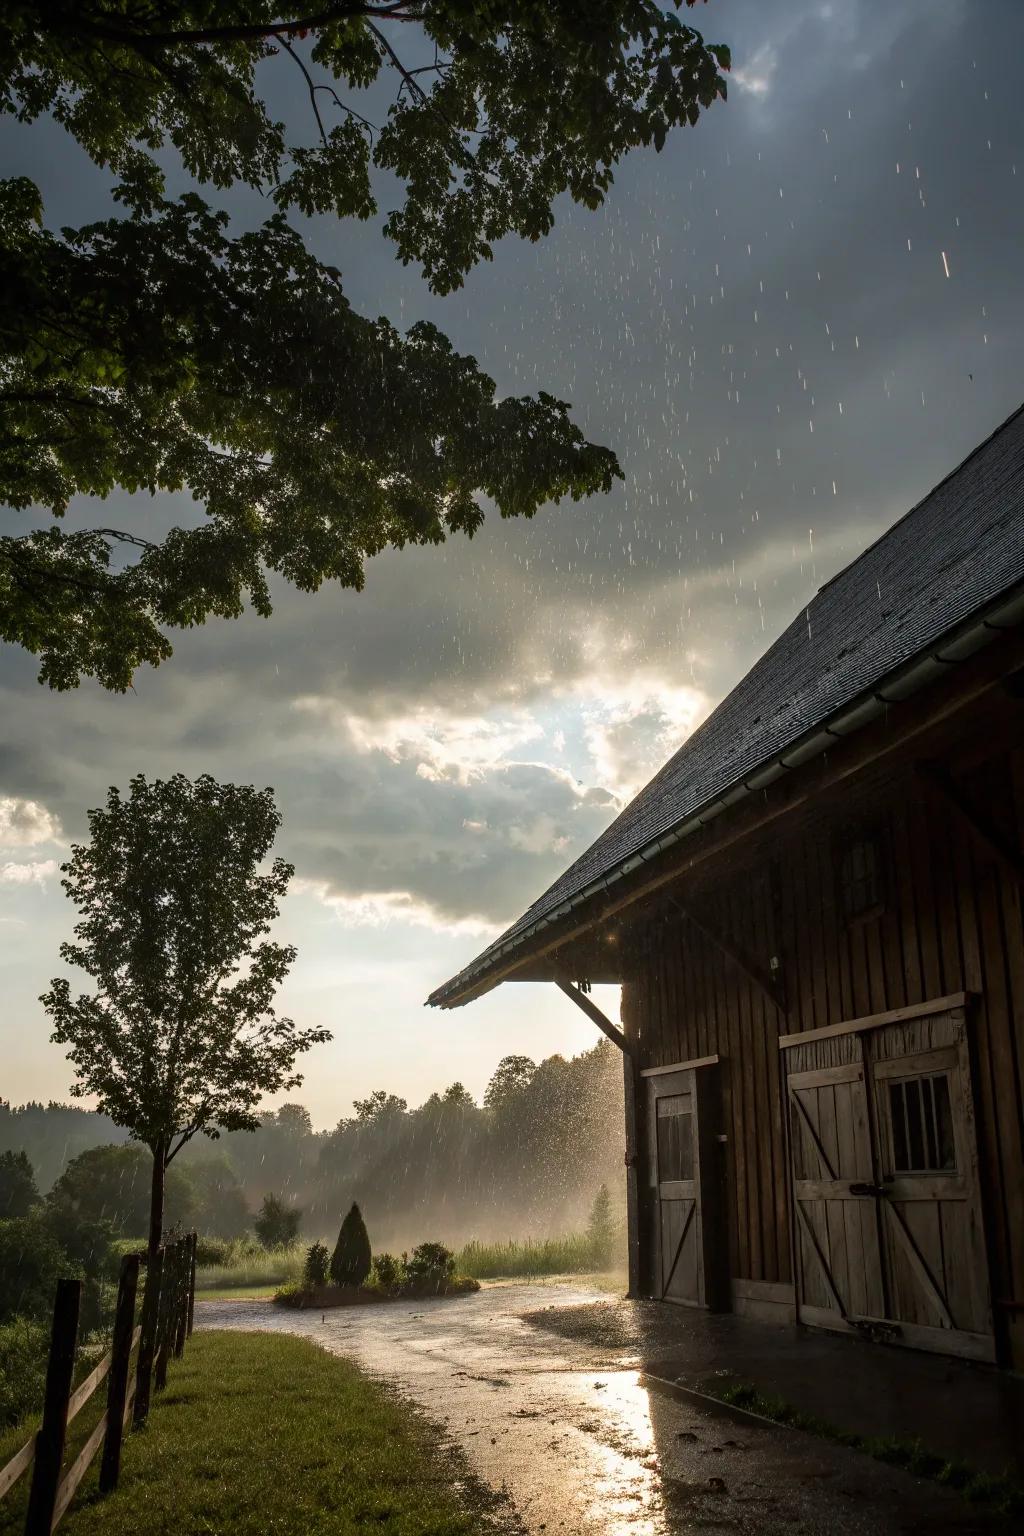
column 1001, row 1494
column 568, row 1255
column 260, row 1433
column 237, row 1293
column 253, row 1267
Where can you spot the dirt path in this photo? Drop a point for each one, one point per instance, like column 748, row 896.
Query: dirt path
column 569, row 1432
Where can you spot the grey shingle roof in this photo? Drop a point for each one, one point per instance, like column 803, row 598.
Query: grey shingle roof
column 947, row 559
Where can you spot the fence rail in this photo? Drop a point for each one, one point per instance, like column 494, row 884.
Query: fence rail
column 165, row 1324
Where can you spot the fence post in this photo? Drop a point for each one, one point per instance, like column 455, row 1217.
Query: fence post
column 165, row 1324
column 147, row 1342
column 120, row 1361
column 181, row 1303
column 53, row 1430
column 192, row 1282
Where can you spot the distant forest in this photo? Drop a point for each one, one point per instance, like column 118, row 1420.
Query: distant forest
column 527, row 1162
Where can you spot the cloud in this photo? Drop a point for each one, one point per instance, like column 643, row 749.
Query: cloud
column 383, row 908
column 36, row 872
column 756, row 76
column 24, row 823
column 441, row 743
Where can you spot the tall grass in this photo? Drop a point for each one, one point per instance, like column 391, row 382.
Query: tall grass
column 247, row 1265
column 571, row 1254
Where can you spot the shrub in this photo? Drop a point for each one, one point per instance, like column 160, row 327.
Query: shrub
column 211, row 1250
column 290, row 1294
column 23, row 1350
column 31, row 1262
column 277, row 1225
column 351, row 1260
column 430, row 1266
column 601, row 1229
column 317, row 1265
column 388, row 1271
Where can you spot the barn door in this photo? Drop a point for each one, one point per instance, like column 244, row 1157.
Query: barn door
column 885, row 1187
column 681, row 1124
column 933, row 1241
column 837, row 1229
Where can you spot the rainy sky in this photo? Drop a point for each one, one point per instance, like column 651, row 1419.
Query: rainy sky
column 790, row 325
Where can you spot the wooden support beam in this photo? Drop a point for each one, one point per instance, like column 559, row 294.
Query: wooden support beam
column 593, row 1013
column 736, row 954
column 950, row 795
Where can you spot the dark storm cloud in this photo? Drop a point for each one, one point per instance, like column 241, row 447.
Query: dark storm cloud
column 760, row 322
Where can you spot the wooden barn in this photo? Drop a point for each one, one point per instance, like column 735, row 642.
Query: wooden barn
column 814, row 911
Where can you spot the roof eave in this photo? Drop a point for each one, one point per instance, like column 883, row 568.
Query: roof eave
column 1005, row 612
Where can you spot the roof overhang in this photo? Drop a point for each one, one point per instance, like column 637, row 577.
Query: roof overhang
column 524, row 955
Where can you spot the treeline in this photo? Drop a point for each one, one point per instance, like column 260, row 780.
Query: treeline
column 526, row 1162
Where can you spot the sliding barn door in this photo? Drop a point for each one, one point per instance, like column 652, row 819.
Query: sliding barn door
column 682, row 1112
column 885, row 1184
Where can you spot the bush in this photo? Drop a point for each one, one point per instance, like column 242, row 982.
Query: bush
column 430, row 1267
column 291, row 1294
column 351, row 1260
column 388, row 1271
column 277, row 1225
column 23, row 1350
column 212, row 1250
column 31, row 1262
column 317, row 1265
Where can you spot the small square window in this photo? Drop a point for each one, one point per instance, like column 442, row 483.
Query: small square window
column 675, row 1138
column 922, row 1125
column 861, row 877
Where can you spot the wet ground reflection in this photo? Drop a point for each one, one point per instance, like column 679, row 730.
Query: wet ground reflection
column 580, row 1442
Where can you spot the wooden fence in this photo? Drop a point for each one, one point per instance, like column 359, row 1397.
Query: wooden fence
column 165, row 1324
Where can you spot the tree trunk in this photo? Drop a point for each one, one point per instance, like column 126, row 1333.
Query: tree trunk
column 156, row 1202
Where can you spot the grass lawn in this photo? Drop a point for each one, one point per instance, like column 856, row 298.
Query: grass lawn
column 264, row 1435
column 237, row 1293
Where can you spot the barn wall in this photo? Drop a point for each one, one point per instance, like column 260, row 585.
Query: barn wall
column 952, row 922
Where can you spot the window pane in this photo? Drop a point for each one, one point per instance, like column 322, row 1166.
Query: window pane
column 943, row 1123
column 675, row 1138
column 921, row 1115
column 897, row 1111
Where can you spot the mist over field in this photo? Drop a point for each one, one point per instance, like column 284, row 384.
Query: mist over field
column 525, row 1163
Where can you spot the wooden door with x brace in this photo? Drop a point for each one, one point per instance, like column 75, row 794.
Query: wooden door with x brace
column 889, row 1233
column 683, row 1158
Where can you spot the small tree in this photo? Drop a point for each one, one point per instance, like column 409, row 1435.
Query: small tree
column 317, row 1266
column 277, row 1225
column 180, row 1035
column 351, row 1260
column 601, row 1229
column 18, row 1192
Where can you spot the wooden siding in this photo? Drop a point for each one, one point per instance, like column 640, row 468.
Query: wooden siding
column 952, row 921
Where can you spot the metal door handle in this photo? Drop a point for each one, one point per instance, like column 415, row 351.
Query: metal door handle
column 874, row 1190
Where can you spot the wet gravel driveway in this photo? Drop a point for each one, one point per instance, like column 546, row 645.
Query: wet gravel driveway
column 580, row 1442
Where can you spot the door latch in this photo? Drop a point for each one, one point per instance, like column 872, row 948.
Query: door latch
column 874, row 1190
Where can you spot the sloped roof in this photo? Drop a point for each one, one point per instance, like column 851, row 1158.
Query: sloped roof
column 949, row 558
